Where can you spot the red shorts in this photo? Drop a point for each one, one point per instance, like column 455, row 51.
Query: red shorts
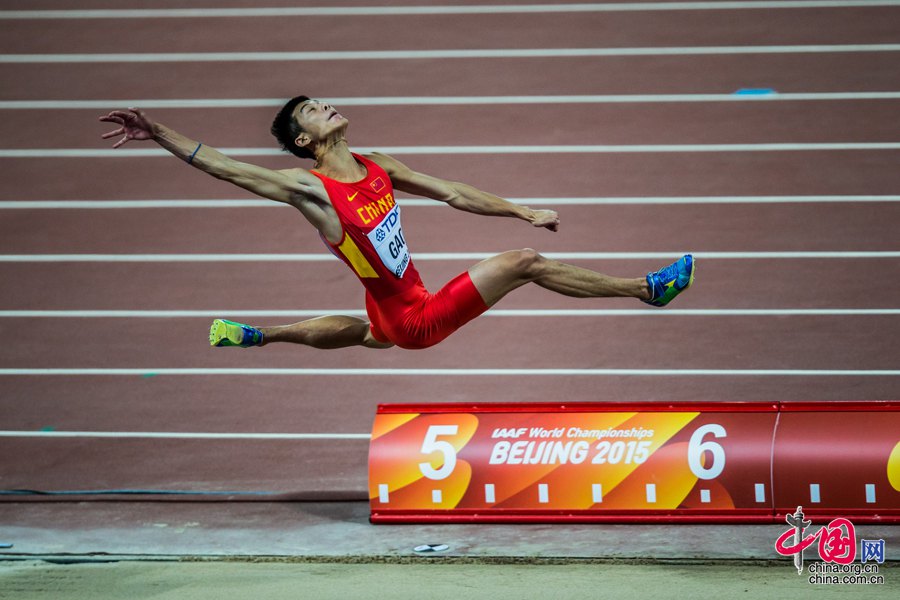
column 417, row 319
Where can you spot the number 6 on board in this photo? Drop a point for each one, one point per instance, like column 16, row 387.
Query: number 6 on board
column 696, row 448
column 432, row 444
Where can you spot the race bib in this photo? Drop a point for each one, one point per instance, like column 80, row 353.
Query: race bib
column 387, row 239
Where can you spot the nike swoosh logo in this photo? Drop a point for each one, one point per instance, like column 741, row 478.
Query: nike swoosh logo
column 351, row 198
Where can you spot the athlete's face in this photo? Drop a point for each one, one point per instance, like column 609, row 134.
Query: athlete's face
column 319, row 121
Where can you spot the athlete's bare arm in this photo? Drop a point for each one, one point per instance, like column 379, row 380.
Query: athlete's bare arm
column 460, row 195
column 297, row 187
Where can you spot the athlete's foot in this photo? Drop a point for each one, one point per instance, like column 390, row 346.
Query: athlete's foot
column 229, row 333
column 670, row 281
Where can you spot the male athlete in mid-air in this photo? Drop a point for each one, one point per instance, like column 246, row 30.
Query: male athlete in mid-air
column 350, row 200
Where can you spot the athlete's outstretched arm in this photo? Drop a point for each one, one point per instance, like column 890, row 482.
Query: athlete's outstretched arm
column 460, row 195
column 281, row 186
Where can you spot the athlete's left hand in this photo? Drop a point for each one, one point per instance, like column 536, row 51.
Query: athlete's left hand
column 545, row 218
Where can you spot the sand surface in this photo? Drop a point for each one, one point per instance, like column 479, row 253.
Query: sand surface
column 430, row 578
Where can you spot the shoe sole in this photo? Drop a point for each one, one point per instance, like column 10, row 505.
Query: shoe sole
column 691, row 280
column 218, row 334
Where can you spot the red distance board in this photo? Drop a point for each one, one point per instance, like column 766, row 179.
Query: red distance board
column 694, row 462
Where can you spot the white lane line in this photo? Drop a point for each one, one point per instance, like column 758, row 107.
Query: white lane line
column 389, row 372
column 415, row 202
column 432, row 256
column 186, row 435
column 446, row 100
column 169, row 57
column 422, row 150
column 320, row 11
column 543, row 312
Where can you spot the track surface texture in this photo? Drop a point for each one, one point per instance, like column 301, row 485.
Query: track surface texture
column 765, row 141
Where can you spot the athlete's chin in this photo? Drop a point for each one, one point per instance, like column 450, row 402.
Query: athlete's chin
column 340, row 125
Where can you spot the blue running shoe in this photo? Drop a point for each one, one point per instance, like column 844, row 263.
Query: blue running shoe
column 670, row 281
column 229, row 333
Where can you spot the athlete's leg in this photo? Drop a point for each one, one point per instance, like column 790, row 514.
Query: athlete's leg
column 501, row 274
column 325, row 333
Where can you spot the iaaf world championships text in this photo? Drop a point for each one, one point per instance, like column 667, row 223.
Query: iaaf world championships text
column 572, row 432
column 554, row 452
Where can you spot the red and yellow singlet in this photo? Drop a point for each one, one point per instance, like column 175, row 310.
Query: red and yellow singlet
column 400, row 309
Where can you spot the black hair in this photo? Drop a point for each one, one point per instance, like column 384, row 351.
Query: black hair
column 286, row 129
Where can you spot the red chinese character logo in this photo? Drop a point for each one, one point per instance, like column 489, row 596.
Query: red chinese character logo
column 837, row 540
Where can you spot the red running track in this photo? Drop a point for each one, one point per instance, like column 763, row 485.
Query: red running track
column 323, row 402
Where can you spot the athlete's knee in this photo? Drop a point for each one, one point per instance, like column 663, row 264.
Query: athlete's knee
column 370, row 341
column 529, row 263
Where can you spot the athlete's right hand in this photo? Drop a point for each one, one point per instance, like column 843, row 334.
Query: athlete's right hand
column 548, row 219
column 135, row 125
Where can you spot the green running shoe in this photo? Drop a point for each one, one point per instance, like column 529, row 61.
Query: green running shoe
column 229, row 333
column 670, row 281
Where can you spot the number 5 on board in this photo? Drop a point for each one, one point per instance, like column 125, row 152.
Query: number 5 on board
column 432, row 444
